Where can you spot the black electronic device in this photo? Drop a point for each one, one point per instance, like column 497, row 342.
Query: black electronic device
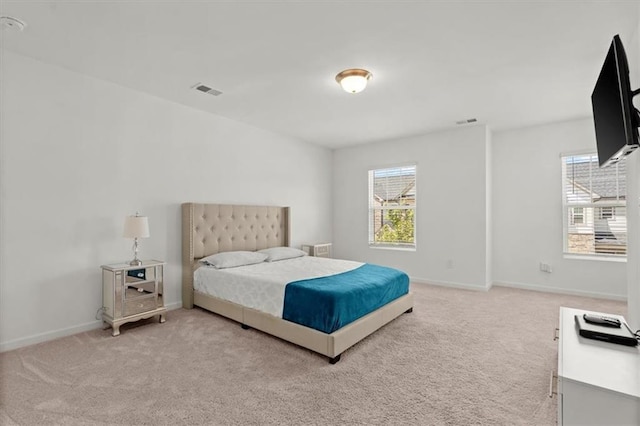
column 615, row 118
column 620, row 335
column 137, row 273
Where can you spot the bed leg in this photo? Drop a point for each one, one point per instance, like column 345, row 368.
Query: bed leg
column 334, row 359
column 245, row 326
column 408, row 311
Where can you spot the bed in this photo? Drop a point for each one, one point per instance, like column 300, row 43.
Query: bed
column 208, row 229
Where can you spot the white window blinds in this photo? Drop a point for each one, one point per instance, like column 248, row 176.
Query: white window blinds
column 392, row 204
column 594, row 206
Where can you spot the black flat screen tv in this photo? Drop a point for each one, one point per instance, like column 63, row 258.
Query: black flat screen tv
column 616, row 119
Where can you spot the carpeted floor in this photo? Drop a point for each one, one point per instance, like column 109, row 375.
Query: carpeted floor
column 461, row 358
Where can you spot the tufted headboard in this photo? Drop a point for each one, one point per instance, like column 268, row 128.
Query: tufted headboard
column 212, row 228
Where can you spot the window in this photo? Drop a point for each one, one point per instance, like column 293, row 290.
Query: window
column 594, row 206
column 606, row 212
column 577, row 215
column 392, row 205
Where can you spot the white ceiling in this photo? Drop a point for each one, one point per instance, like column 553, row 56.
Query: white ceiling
column 507, row 63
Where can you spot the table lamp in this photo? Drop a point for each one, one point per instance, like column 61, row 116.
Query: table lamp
column 136, row 227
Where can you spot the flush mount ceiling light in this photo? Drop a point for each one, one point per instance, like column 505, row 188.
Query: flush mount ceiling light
column 353, row 80
column 10, row 23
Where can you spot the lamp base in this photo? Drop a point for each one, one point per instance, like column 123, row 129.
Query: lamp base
column 136, row 262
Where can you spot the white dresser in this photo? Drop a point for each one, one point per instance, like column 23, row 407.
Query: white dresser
column 598, row 382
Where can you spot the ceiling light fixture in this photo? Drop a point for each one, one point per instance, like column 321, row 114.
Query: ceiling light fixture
column 12, row 24
column 353, row 80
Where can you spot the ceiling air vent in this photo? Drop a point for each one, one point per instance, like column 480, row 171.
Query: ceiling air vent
column 467, row 121
column 206, row 89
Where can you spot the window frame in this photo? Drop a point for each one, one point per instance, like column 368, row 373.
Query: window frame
column 371, row 209
column 590, row 209
column 611, row 212
column 575, row 215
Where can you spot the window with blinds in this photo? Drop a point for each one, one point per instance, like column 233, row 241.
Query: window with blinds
column 594, row 204
column 392, row 206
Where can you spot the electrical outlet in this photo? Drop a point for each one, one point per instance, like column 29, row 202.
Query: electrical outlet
column 449, row 264
column 545, row 267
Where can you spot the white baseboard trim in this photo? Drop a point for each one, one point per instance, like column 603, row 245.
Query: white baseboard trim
column 450, row 284
column 523, row 286
column 571, row 292
column 49, row 335
column 64, row 332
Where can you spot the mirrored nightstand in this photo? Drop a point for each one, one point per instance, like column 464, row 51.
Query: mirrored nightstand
column 318, row 249
column 131, row 293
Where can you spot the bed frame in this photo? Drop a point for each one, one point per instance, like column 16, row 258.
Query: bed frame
column 212, row 228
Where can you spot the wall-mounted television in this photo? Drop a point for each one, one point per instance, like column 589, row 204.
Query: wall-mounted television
column 616, row 119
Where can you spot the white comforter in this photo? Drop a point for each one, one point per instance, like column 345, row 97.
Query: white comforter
column 261, row 286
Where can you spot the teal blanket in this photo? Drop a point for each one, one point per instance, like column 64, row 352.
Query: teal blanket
column 329, row 303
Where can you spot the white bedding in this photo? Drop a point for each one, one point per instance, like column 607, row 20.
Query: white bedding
column 261, row 286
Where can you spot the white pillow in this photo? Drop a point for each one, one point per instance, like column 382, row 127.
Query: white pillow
column 281, row 253
column 231, row 259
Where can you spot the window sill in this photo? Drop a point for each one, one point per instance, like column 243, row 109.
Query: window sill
column 602, row 258
column 397, row 248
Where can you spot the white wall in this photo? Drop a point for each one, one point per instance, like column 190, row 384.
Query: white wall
column 633, row 193
column 527, row 213
column 79, row 154
column 489, row 205
column 451, row 206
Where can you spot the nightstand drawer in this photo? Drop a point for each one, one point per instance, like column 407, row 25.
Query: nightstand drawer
column 139, row 305
column 136, row 289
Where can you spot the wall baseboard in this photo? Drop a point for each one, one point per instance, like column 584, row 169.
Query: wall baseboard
column 450, row 284
column 49, row 335
column 64, row 332
column 571, row 292
column 523, row 286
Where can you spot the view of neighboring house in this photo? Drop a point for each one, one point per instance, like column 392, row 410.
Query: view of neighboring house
column 392, row 205
column 596, row 202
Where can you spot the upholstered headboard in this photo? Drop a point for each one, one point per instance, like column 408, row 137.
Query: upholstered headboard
column 212, row 228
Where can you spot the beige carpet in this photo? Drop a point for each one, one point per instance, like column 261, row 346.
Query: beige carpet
column 461, row 358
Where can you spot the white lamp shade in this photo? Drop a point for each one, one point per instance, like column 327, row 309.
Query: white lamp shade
column 136, row 227
column 354, row 83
